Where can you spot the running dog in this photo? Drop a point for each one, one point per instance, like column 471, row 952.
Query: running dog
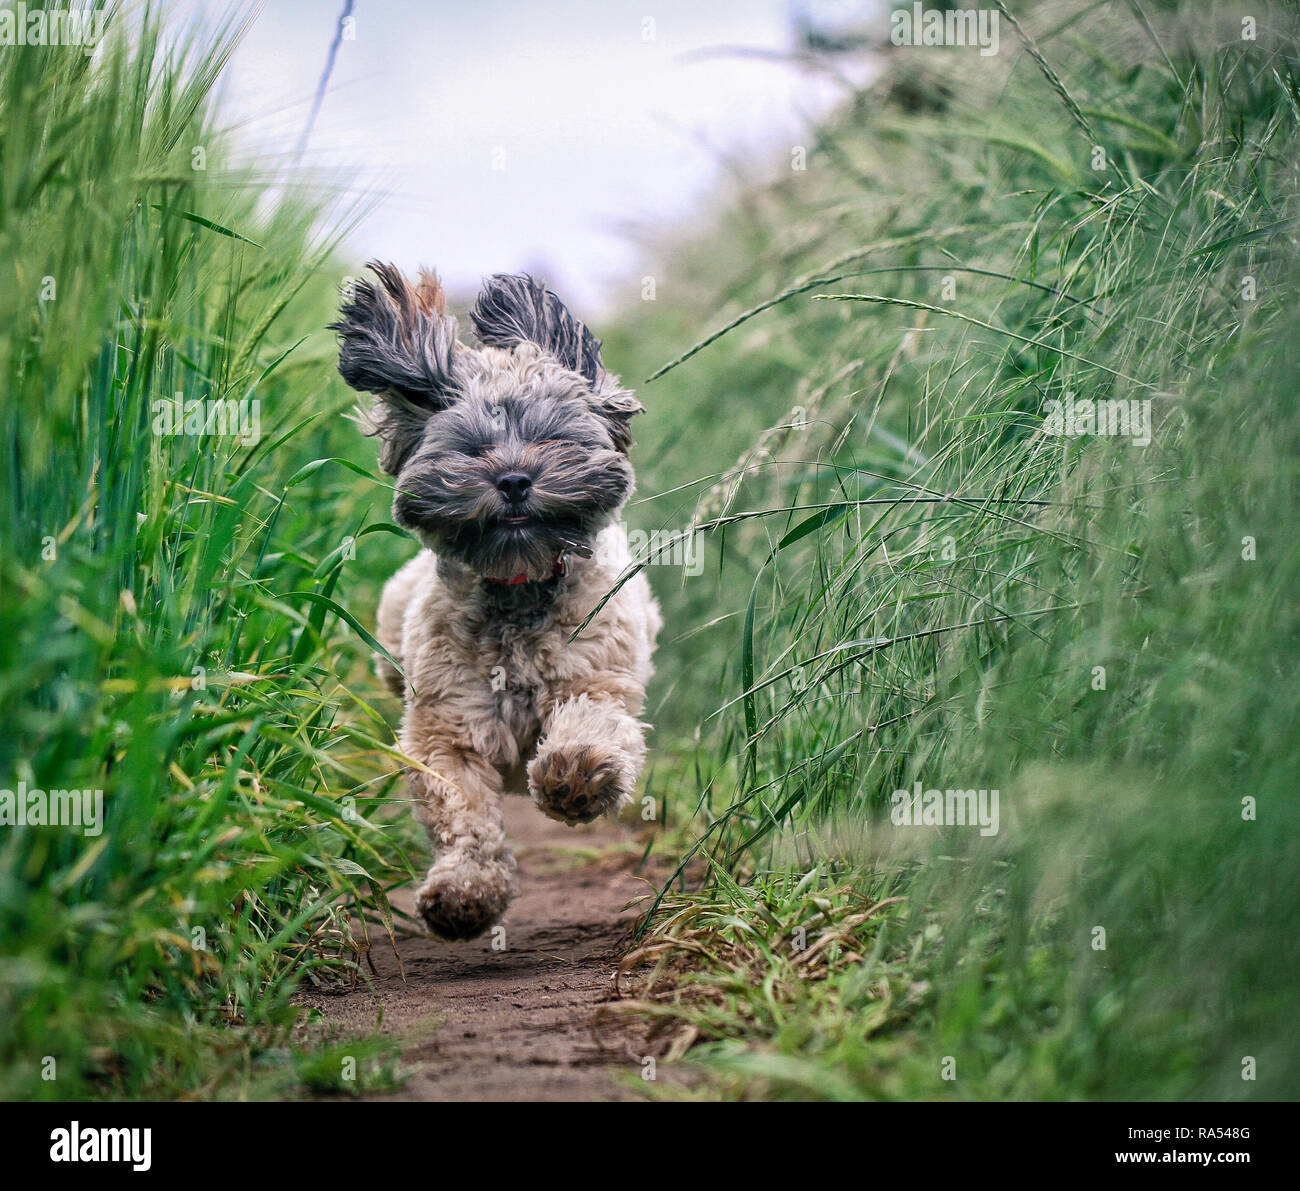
column 510, row 462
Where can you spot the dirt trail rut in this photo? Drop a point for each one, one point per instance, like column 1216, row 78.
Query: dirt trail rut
column 514, row 1024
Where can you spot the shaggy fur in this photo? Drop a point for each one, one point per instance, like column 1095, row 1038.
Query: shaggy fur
column 511, row 467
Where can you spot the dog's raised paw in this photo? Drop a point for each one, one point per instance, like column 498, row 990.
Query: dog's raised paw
column 576, row 783
column 461, row 901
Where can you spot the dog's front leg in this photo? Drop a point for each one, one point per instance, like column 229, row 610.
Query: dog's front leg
column 589, row 759
column 458, row 800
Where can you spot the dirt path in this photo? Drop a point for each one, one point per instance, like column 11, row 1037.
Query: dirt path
column 516, row 1023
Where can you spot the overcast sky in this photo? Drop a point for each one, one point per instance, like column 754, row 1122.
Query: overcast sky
column 514, row 134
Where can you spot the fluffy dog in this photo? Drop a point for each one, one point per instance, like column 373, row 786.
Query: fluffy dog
column 511, row 467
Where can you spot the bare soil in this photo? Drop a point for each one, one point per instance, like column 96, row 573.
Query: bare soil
column 514, row 1022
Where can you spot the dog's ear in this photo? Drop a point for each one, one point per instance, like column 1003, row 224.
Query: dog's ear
column 514, row 308
column 619, row 407
column 397, row 341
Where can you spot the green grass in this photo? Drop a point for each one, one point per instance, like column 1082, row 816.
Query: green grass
column 173, row 624
column 910, row 581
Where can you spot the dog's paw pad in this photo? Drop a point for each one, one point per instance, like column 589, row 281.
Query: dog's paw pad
column 459, row 905
column 577, row 784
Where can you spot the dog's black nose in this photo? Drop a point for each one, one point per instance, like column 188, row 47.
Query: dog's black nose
column 514, row 486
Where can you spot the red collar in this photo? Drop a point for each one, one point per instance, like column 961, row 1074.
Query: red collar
column 556, row 571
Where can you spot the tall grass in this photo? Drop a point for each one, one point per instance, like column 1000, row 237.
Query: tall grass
column 171, row 630
column 916, row 582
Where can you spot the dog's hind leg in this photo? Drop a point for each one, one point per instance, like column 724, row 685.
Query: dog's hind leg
column 393, row 603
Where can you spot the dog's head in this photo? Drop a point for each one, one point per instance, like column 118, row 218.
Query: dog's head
column 506, row 455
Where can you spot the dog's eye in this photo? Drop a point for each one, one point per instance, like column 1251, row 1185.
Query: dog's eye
column 481, row 449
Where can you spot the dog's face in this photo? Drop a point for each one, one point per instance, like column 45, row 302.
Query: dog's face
column 507, row 456
column 515, row 472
